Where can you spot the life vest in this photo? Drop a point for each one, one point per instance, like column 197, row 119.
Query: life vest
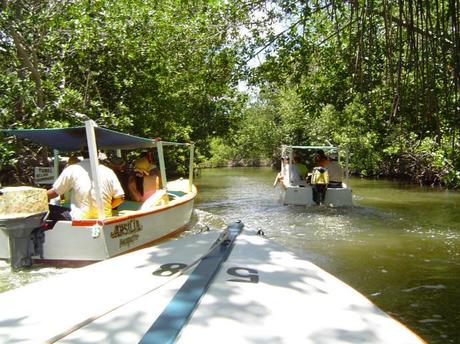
column 319, row 176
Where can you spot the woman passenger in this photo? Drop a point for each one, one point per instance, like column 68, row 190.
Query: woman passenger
column 143, row 183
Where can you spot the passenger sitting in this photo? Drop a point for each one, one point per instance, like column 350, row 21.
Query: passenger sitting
column 142, row 184
column 73, row 159
column 335, row 171
column 301, row 168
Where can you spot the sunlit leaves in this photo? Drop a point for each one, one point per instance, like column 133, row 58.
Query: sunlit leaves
column 367, row 74
column 158, row 69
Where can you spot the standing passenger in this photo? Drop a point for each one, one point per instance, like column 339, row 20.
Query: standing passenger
column 320, row 158
column 319, row 181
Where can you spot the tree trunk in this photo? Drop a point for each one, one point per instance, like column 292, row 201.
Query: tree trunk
column 24, row 54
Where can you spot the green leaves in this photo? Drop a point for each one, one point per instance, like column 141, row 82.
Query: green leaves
column 361, row 74
column 368, row 76
column 158, row 69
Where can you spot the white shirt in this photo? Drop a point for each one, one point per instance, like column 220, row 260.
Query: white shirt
column 77, row 178
column 294, row 177
column 335, row 171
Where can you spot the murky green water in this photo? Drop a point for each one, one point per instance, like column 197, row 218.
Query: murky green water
column 399, row 245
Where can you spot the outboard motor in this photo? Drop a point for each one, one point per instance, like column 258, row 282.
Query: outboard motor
column 22, row 213
column 25, row 237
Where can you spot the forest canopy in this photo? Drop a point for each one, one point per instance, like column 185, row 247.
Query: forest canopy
column 381, row 78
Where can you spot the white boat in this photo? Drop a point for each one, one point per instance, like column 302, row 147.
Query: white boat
column 234, row 286
column 302, row 194
column 132, row 226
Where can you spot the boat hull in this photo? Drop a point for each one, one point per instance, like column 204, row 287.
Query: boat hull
column 262, row 292
column 69, row 242
column 303, row 195
column 81, row 242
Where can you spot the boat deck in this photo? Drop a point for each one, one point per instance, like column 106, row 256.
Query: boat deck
column 262, row 293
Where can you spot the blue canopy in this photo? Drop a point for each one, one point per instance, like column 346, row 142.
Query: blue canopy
column 74, row 138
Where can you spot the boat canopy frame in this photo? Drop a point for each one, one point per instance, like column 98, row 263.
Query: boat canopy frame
column 94, row 137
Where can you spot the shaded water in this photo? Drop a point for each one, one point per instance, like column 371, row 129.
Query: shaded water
column 399, row 245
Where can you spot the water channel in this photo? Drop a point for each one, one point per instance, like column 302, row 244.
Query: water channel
column 399, row 245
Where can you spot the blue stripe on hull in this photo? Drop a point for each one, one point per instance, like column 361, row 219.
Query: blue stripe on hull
column 176, row 314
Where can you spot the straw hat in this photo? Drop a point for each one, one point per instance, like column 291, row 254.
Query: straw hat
column 143, row 166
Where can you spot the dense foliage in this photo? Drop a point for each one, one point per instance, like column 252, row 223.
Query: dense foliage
column 154, row 68
column 377, row 76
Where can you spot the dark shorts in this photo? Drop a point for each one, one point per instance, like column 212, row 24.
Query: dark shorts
column 319, row 193
column 58, row 213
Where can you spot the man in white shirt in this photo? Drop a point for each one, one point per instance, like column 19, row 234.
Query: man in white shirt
column 77, row 177
column 335, row 171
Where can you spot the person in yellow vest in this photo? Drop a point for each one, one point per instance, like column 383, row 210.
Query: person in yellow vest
column 320, row 158
column 319, row 181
